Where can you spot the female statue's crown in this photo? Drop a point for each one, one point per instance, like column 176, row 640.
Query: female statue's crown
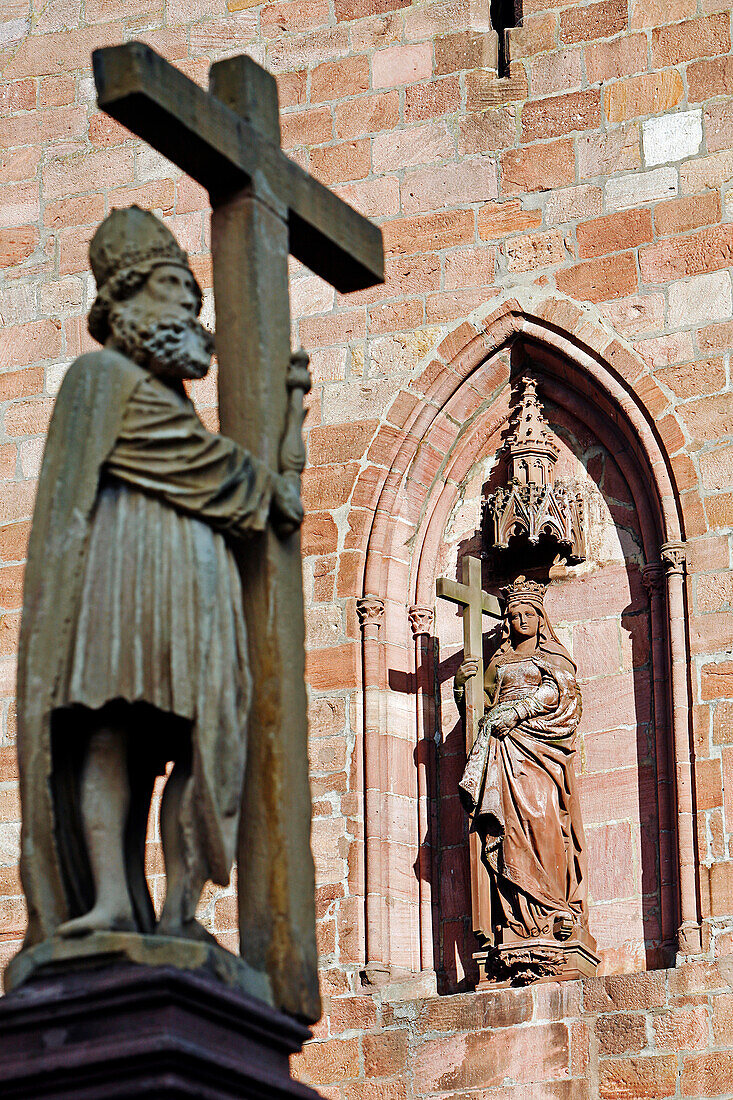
column 523, row 589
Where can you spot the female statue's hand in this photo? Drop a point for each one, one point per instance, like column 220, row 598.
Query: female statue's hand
column 503, row 723
column 468, row 668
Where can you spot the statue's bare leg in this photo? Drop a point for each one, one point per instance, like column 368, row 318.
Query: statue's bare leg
column 105, row 803
column 184, row 878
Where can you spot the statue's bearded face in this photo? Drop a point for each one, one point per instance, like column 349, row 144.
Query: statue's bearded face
column 158, row 328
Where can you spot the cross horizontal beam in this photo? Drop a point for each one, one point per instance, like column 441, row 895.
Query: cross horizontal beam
column 219, row 149
column 461, row 594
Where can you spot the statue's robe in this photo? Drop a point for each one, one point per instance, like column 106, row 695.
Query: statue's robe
column 521, row 791
column 132, row 594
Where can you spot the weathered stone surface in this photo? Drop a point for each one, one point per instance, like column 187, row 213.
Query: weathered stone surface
column 445, row 265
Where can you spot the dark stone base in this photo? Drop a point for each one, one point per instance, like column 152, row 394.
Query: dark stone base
column 107, row 1033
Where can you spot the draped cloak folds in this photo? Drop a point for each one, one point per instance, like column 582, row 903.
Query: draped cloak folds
column 521, row 791
column 132, row 592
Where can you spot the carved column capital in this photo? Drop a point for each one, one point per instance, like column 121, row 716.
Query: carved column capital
column 421, row 620
column 370, row 610
column 652, row 576
column 674, row 557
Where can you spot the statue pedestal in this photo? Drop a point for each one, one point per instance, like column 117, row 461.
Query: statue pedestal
column 105, row 1032
column 517, row 961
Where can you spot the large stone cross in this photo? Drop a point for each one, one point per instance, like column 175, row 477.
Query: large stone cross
column 475, row 603
column 264, row 206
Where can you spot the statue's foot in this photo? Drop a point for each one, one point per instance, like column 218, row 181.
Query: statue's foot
column 184, row 930
column 563, row 928
column 98, row 919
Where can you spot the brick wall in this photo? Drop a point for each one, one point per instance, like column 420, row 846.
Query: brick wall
column 602, row 166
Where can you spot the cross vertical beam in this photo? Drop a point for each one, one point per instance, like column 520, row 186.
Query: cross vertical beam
column 475, row 603
column 249, row 238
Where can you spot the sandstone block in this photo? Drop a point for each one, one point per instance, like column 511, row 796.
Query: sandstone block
column 688, row 212
column 614, row 233
column 535, row 250
column 653, row 13
column 672, row 137
column 637, row 992
column 648, row 94
column 367, row 114
column 706, row 79
column 557, row 72
column 433, row 99
column 449, row 185
column 623, row 56
column 627, row 191
column 397, row 65
column 707, row 419
column 707, row 1074
column 601, row 20
column 306, row 127
column 557, row 116
column 620, row 1033
column 538, row 167
column 680, row 42
column 701, row 299
column 418, row 145
column 599, row 280
column 612, row 861
column 483, row 1059
column 572, row 203
column 323, row 1063
column 466, row 50
column 428, row 232
column 616, row 151
column 337, row 79
column 486, row 131
column 652, row 1076
column 536, row 34
column 385, row 1053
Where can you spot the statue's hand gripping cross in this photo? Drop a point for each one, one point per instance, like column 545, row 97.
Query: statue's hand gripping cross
column 264, row 206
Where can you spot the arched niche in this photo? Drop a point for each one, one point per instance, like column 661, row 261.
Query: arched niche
column 438, row 433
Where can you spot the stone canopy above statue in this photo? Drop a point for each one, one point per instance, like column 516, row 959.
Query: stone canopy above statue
column 534, row 511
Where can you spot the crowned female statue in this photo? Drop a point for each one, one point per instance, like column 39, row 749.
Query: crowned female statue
column 520, row 789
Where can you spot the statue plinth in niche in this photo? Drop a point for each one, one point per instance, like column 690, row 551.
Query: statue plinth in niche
column 520, row 790
column 533, row 507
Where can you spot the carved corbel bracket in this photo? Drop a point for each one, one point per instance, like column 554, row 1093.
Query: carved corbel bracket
column 652, row 577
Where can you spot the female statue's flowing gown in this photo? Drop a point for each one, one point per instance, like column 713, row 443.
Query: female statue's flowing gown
column 521, row 791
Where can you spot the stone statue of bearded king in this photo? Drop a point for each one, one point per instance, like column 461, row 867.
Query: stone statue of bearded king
column 133, row 649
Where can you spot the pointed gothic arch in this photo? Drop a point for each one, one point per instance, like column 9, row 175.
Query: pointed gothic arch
column 432, row 433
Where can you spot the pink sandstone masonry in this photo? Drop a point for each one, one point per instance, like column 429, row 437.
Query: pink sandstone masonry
column 580, row 211
column 667, row 1034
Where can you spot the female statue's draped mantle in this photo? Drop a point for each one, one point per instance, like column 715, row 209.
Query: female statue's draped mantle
column 127, row 469
column 521, row 790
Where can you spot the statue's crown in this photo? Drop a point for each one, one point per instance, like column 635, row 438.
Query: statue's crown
column 523, row 589
column 129, row 238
